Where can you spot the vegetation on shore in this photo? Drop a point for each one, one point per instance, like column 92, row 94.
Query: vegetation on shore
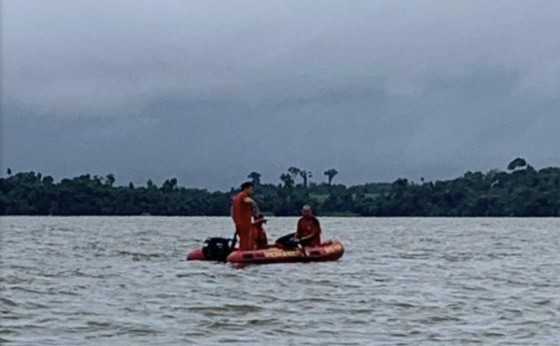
column 520, row 191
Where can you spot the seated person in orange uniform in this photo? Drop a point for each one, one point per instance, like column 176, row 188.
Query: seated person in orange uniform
column 308, row 231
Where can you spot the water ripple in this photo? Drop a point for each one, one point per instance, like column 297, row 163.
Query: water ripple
column 122, row 281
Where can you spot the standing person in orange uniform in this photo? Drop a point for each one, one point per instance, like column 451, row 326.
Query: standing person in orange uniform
column 242, row 212
column 308, row 228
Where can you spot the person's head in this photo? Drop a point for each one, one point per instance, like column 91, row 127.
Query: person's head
column 306, row 210
column 247, row 187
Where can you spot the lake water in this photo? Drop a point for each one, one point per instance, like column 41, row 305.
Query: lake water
column 402, row 281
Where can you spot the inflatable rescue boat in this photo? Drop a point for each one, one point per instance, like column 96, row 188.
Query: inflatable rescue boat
column 218, row 249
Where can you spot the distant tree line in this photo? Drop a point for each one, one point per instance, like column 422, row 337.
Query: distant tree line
column 521, row 190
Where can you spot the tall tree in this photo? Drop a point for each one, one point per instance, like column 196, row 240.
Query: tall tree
column 516, row 164
column 330, row 173
column 294, row 171
column 305, row 175
column 110, row 179
column 255, row 178
column 169, row 185
column 287, row 180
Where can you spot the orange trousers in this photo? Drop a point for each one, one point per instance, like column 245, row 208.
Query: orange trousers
column 246, row 237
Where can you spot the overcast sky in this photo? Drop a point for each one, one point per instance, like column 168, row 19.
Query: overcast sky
column 208, row 91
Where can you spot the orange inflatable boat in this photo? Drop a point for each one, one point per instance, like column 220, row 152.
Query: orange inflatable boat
column 217, row 249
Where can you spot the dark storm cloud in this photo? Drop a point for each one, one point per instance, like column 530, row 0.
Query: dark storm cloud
column 209, row 91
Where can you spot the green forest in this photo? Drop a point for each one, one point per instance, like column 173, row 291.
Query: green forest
column 519, row 190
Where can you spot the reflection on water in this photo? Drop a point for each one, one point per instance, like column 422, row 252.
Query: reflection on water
column 123, row 281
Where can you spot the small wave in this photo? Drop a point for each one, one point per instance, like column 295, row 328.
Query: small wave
column 438, row 319
column 262, row 322
column 543, row 302
column 415, row 255
column 79, row 273
column 8, row 302
column 460, row 257
column 99, row 324
column 33, row 305
column 138, row 256
column 144, row 331
column 191, row 274
column 403, row 305
column 67, row 293
column 56, row 274
column 128, row 331
column 498, row 255
column 25, row 289
column 22, row 268
column 7, row 332
column 493, row 334
column 243, row 308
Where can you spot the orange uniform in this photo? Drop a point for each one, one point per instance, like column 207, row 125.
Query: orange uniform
column 309, row 226
column 261, row 238
column 242, row 213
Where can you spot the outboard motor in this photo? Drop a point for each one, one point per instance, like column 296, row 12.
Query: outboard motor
column 216, row 249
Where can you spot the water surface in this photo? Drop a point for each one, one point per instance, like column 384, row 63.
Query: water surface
column 402, row 281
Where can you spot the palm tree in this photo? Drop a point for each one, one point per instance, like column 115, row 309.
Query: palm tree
column 110, row 179
column 287, row 180
column 305, row 176
column 330, row 173
column 294, row 171
column 255, row 178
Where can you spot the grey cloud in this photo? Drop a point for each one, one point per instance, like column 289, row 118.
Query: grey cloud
column 209, row 91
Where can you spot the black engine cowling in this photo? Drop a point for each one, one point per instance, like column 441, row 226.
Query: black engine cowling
column 216, row 249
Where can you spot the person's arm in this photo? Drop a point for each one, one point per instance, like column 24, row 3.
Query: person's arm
column 307, row 237
column 298, row 232
column 254, row 203
column 249, row 200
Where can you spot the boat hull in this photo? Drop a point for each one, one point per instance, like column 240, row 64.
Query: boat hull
column 196, row 255
column 327, row 251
